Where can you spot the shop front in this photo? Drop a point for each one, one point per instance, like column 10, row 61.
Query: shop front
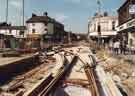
column 10, row 41
column 33, row 41
column 127, row 33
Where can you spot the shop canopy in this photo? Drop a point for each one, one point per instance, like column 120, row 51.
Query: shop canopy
column 130, row 29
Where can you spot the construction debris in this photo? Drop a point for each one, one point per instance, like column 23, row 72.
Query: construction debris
column 120, row 69
column 71, row 69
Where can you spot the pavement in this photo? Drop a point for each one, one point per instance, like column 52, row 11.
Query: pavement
column 8, row 60
column 126, row 56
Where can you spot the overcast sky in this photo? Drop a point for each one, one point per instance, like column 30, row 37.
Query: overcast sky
column 73, row 13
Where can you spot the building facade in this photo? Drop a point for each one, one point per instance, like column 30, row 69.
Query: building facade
column 16, row 31
column 10, row 35
column 44, row 28
column 126, row 17
column 107, row 24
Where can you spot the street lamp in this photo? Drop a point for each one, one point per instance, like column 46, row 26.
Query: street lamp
column 6, row 11
column 69, row 35
column 23, row 11
column 6, row 16
column 23, row 17
column 99, row 26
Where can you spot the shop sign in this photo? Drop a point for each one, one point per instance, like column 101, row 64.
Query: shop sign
column 132, row 9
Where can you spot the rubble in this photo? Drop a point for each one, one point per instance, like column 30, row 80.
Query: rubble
column 121, row 68
column 24, row 82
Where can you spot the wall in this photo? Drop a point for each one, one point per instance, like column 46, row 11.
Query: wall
column 39, row 28
column 131, row 36
column 15, row 33
column 50, row 28
column 106, row 25
column 123, row 12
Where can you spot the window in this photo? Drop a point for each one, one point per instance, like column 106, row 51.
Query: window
column 131, row 42
column 94, row 27
column 21, row 32
column 46, row 24
column 46, row 29
column 113, row 25
column 10, row 31
column 33, row 30
column 33, row 24
column 104, row 26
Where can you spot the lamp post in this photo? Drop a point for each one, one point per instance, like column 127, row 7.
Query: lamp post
column 6, row 15
column 88, row 30
column 23, row 16
column 6, row 11
column 99, row 25
column 69, row 35
column 23, row 11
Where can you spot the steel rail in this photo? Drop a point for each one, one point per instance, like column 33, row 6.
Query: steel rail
column 82, row 83
column 51, row 84
column 89, row 71
column 56, row 79
column 92, row 81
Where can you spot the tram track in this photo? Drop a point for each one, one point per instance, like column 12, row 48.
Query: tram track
column 88, row 71
column 62, row 77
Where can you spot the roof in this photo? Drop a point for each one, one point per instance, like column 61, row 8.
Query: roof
column 123, row 5
column 130, row 29
column 43, row 19
column 106, row 17
column 13, row 27
column 4, row 24
column 127, row 2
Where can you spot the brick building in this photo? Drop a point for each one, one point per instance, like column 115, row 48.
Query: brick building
column 44, row 28
column 124, row 13
column 126, row 18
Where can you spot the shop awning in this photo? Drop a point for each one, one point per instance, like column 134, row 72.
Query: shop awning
column 130, row 29
column 104, row 34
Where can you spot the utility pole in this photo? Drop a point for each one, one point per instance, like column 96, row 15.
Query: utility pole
column 69, row 39
column 23, row 12
column 6, row 15
column 7, row 11
column 23, row 16
column 69, row 35
column 88, row 29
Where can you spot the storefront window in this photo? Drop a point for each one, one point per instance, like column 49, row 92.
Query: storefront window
column 33, row 24
column 131, row 42
column 33, row 30
column 113, row 25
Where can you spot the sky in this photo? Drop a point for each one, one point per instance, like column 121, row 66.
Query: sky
column 74, row 14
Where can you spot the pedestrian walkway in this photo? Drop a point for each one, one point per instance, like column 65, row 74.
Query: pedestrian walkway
column 127, row 56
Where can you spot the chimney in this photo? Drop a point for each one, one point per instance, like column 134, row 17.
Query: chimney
column 33, row 15
column 10, row 24
column 45, row 14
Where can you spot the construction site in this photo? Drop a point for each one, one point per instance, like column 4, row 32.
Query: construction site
column 76, row 69
column 58, row 54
